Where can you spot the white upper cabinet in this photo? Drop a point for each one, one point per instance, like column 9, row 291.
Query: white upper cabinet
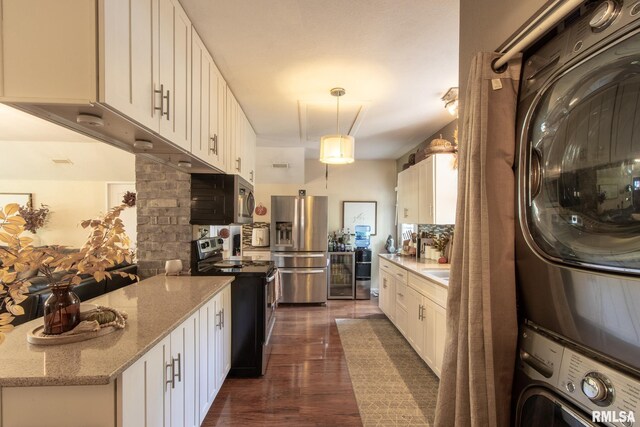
column 129, row 64
column 175, row 73
column 207, row 107
column 146, row 65
column 427, row 191
column 240, row 140
column 438, row 182
column 408, row 196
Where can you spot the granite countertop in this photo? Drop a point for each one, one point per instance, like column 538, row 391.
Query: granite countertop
column 155, row 307
column 418, row 266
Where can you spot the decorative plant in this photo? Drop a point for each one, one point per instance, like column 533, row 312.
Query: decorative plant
column 34, row 218
column 107, row 245
column 440, row 242
column 129, row 199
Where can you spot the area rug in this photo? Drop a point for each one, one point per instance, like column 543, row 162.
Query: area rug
column 393, row 386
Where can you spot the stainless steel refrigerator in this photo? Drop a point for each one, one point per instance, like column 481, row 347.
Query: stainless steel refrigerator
column 299, row 247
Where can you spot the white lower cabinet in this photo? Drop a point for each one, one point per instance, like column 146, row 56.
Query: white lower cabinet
column 418, row 311
column 160, row 389
column 387, row 299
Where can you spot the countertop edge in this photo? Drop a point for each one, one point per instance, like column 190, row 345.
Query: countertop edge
column 105, row 379
column 435, row 265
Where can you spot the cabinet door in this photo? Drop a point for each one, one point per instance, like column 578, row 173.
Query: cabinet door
column 385, row 278
column 129, row 62
column 206, row 346
column 145, row 378
column 234, row 162
column 408, row 196
column 426, row 185
column 445, row 189
column 223, row 142
column 175, row 72
column 227, row 333
column 441, row 331
column 250, row 152
column 401, row 320
column 200, row 92
column 216, row 117
column 429, row 354
column 390, row 302
column 415, row 325
column 184, row 401
column 219, row 358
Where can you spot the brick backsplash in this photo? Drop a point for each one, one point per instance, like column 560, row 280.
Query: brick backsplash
column 163, row 205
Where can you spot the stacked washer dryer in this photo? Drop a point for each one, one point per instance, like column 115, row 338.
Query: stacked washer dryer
column 578, row 234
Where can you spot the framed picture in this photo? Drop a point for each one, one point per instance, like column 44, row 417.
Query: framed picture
column 23, row 199
column 360, row 213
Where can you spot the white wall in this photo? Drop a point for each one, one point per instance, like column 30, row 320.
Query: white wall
column 69, row 202
column 364, row 180
column 486, row 24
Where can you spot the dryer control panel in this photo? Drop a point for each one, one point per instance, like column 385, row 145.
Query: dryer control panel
column 606, row 394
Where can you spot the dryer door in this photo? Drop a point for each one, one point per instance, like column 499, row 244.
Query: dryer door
column 539, row 407
column 580, row 163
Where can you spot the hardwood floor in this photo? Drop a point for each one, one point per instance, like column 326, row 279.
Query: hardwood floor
column 307, row 381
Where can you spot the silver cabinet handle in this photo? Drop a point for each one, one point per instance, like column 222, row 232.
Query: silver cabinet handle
column 316, row 255
column 399, row 274
column 239, row 164
column 406, row 212
column 179, row 374
column 171, row 375
column 161, row 93
column 251, row 173
column 302, row 271
column 168, row 98
column 402, row 295
column 222, row 317
column 421, row 312
column 219, row 316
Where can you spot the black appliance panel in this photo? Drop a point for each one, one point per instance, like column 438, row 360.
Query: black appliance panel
column 218, row 199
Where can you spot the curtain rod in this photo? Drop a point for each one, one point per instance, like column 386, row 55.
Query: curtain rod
column 546, row 20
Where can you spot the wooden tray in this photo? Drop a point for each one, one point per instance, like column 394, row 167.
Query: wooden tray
column 35, row 336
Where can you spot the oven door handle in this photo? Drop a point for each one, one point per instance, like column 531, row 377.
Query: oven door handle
column 305, row 271
column 272, row 277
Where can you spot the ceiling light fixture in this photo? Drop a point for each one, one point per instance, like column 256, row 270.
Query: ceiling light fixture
column 451, row 101
column 337, row 149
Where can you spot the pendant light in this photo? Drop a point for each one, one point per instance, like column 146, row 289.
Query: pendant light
column 337, row 149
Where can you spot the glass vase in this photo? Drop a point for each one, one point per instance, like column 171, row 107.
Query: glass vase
column 61, row 310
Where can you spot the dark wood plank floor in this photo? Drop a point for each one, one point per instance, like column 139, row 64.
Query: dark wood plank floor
column 307, row 381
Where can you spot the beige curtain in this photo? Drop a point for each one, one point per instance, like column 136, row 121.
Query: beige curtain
column 475, row 385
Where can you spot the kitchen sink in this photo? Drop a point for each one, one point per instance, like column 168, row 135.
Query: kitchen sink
column 440, row 274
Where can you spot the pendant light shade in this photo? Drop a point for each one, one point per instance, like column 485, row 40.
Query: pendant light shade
column 337, row 149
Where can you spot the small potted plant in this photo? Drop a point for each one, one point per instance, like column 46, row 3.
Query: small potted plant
column 440, row 243
column 107, row 245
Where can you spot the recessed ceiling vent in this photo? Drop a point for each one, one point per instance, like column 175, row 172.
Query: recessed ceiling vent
column 280, row 165
column 62, row 161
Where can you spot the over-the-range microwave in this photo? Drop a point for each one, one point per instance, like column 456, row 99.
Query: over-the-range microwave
column 218, row 199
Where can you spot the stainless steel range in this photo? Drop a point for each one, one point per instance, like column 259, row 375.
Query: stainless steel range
column 578, row 234
column 254, row 300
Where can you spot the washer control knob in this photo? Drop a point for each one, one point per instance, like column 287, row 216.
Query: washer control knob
column 570, row 387
column 604, row 15
column 597, row 388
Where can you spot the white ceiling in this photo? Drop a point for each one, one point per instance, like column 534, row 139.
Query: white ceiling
column 395, row 58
